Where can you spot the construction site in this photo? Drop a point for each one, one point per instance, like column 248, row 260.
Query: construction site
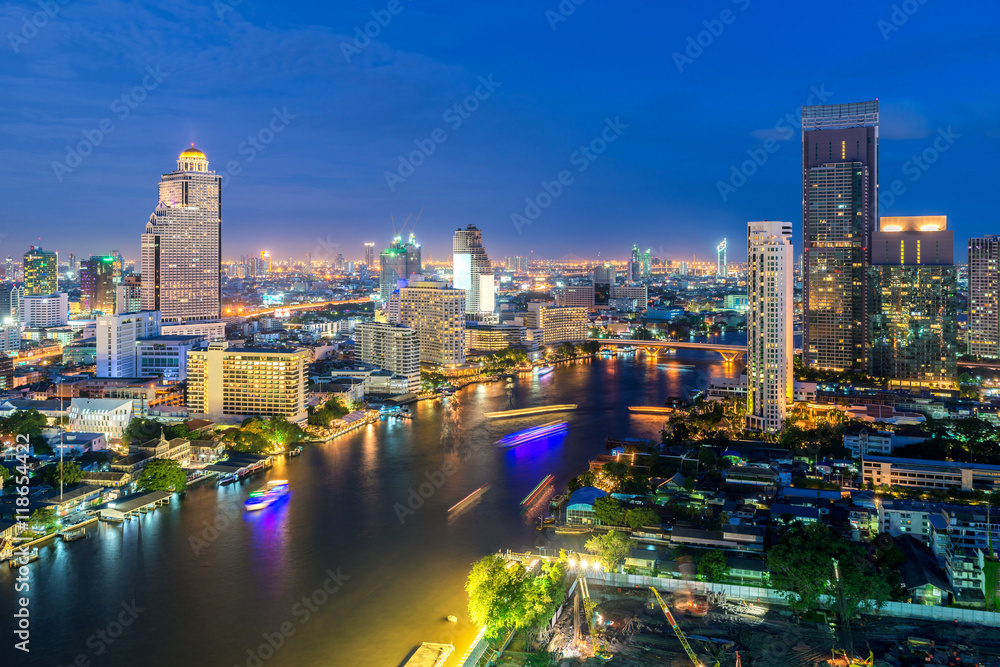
column 629, row 627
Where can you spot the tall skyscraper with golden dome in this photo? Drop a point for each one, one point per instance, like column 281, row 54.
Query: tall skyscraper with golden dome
column 182, row 245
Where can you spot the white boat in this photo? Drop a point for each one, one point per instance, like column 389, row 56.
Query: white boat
column 270, row 494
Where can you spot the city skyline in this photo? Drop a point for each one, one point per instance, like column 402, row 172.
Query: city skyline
column 660, row 187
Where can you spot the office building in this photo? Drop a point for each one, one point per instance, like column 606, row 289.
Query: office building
column 128, row 295
column 721, row 263
column 44, row 311
column 647, row 263
column 108, row 416
column 182, row 244
column 389, row 347
column 984, row 297
column 97, row 285
column 8, row 269
column 230, row 383
column 397, row 262
column 558, row 324
column 370, row 254
column 769, row 324
column 472, row 271
column 118, row 338
column 436, row 313
column 604, row 279
column 634, row 269
column 165, row 356
column 577, row 296
column 914, row 303
column 10, row 297
column 839, row 213
column 10, row 339
column 929, row 474
column 637, row 294
column 210, row 331
column 41, row 272
column 6, row 368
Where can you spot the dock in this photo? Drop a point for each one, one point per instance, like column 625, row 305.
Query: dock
column 430, row 655
column 542, row 409
column 132, row 505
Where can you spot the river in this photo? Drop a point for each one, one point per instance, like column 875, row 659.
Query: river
column 365, row 535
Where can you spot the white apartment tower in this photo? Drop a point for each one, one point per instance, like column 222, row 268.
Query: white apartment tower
column 437, row 314
column 389, row 347
column 984, row 296
column 769, row 324
column 473, row 271
column 118, row 339
column 182, row 245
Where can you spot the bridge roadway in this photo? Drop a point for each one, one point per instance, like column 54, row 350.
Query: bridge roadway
column 730, row 353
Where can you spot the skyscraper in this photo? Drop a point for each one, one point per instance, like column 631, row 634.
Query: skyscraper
column 436, row 313
column 769, row 323
column 722, row 266
column 647, row 263
column 97, row 284
column 182, row 244
column 397, row 262
column 8, row 269
column 128, row 295
column 390, row 347
column 914, row 306
column 41, row 272
column 984, row 296
column 839, row 213
column 472, row 270
column 370, row 254
column 634, row 272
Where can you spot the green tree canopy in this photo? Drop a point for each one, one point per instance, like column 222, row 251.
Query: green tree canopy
column 611, row 548
column 712, row 565
column 162, row 475
column 802, row 564
column 609, row 511
column 71, row 474
column 644, row 516
column 25, row 422
column 501, row 595
column 44, row 520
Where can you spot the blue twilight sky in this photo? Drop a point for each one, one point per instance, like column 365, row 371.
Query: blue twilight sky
column 682, row 116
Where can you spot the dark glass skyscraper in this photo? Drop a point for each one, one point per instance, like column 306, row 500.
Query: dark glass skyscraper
column 839, row 213
column 914, row 304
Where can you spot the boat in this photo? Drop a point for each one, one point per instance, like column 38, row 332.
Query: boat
column 469, row 498
column 19, row 558
column 295, row 451
column 72, row 535
column 112, row 519
column 274, row 491
column 533, row 433
column 452, row 619
column 545, row 370
column 227, row 479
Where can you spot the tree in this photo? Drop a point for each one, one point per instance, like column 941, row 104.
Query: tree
column 566, row 350
column 142, row 429
column 608, row 511
column 44, row 520
column 162, row 475
column 637, row 518
column 590, row 347
column 500, row 595
column 585, row 478
column 247, row 442
column 25, row 422
column 712, row 565
column 642, row 333
column 71, row 474
column 611, row 549
column 802, row 565
column 5, row 474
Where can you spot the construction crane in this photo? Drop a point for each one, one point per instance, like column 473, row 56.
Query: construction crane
column 588, row 606
column 677, row 630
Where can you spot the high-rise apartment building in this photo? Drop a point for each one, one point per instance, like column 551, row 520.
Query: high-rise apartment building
column 604, row 280
column 436, row 313
column 389, row 347
column 721, row 263
column 118, row 339
column 517, row 264
column 128, row 295
column 182, row 244
column 839, row 213
column 914, row 302
column 230, row 383
column 97, row 284
column 41, row 272
column 769, row 323
column 984, row 297
column 51, row 310
column 10, row 298
column 472, row 271
column 397, row 262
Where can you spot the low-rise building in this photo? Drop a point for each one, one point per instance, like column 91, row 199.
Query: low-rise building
column 927, row 474
column 580, row 508
column 109, row 416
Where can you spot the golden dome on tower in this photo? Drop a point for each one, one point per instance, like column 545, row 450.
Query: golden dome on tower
column 192, row 153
